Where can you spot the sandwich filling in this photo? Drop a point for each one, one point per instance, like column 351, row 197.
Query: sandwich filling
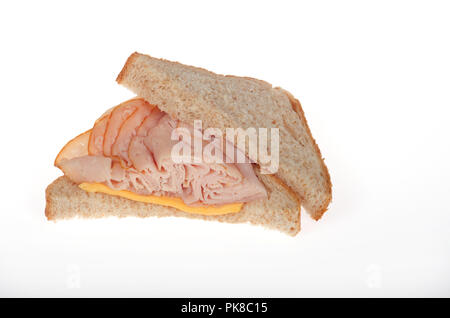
column 128, row 153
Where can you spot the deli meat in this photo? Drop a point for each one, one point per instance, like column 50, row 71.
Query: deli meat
column 130, row 149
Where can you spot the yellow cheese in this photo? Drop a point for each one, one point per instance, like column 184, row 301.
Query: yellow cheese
column 176, row 203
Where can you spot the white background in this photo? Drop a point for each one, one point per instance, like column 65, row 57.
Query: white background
column 373, row 78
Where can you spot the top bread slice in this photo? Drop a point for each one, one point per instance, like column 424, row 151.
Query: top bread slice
column 188, row 93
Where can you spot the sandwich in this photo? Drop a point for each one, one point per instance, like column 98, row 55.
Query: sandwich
column 141, row 158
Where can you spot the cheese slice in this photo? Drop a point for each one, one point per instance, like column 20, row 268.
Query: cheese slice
column 176, row 203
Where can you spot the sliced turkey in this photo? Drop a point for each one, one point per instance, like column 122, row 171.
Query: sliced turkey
column 130, row 148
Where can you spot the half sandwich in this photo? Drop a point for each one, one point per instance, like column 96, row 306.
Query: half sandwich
column 123, row 165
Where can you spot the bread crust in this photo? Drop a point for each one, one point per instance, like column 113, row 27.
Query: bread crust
column 124, row 70
column 299, row 110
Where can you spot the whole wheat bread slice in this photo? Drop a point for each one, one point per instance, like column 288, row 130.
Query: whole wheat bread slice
column 188, row 93
column 280, row 211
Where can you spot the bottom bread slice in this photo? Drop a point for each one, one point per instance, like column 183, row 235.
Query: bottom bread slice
column 280, row 211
